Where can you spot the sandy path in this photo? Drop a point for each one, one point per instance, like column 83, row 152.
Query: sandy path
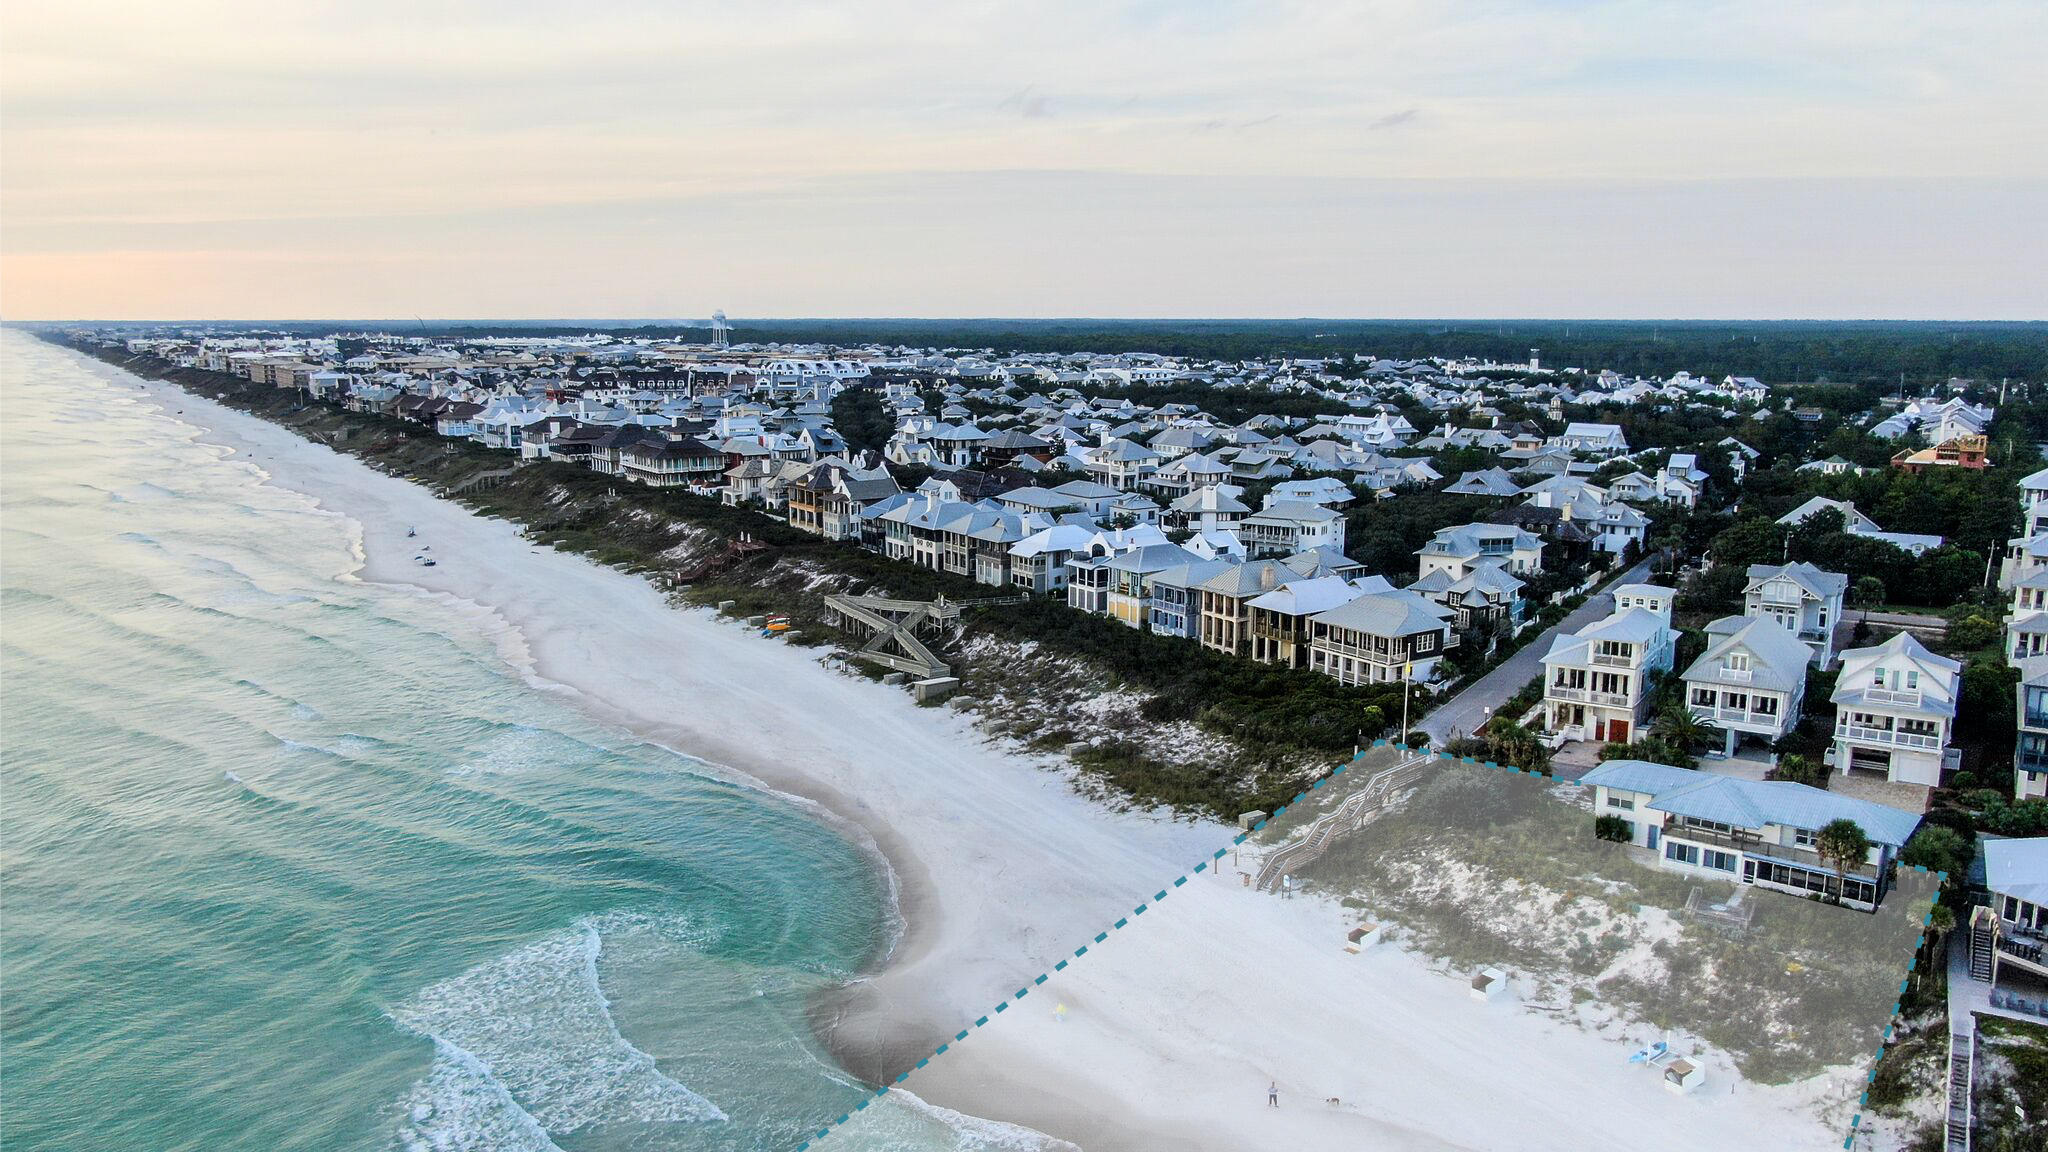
column 1175, row 1027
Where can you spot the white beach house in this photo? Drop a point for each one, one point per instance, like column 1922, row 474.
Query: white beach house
column 1595, row 439
column 1750, row 681
column 1803, row 599
column 1759, row 832
column 1894, row 707
column 1286, row 527
column 1461, row 548
column 1597, row 680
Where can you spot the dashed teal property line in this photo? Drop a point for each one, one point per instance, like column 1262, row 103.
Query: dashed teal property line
column 1885, row 1034
column 1856, row 1119
column 1122, row 922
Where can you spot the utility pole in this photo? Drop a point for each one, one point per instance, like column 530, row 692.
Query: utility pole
column 1406, row 666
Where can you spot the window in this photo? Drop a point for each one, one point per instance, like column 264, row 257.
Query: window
column 1626, row 805
column 1803, row 837
column 1704, row 697
column 1737, row 661
column 1878, row 678
column 1684, row 853
column 1913, row 680
column 1721, row 861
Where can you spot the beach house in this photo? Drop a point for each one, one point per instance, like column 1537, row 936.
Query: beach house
column 2031, row 739
column 1757, row 832
column 2010, row 933
column 1484, row 597
column 1380, row 638
column 828, row 500
column 1286, row 527
column 1804, row 600
column 1211, row 508
column 1856, row 523
column 1224, row 602
column 1279, row 620
column 1750, row 681
column 1597, row 680
column 1176, row 605
column 1594, row 439
column 1131, row 571
column 1038, row 563
column 1895, row 704
column 1461, row 548
column 664, row 463
column 1121, row 464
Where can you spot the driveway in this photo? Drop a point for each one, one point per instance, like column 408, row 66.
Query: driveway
column 1472, row 707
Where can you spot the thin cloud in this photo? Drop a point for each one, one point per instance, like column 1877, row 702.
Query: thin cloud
column 1394, row 119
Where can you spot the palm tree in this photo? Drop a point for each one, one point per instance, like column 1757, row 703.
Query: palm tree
column 1841, row 844
column 1677, row 725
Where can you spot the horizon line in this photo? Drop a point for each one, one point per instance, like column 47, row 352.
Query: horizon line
column 692, row 321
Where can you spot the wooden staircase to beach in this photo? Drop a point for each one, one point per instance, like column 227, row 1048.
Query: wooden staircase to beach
column 1369, row 803
column 490, row 479
column 1956, row 1125
column 893, row 627
column 734, row 551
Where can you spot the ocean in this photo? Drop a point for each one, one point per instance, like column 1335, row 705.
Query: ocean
column 293, row 861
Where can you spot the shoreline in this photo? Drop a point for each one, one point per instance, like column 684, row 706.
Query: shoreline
column 1002, row 867
column 911, row 998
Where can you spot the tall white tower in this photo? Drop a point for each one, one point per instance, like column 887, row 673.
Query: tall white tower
column 1533, row 360
column 721, row 333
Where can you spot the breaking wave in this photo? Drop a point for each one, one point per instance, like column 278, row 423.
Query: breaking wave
column 526, row 1049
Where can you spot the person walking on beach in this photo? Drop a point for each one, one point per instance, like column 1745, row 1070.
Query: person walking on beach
column 1273, row 1094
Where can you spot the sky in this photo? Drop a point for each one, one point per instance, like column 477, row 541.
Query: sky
column 245, row 159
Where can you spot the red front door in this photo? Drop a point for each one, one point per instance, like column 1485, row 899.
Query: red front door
column 1618, row 731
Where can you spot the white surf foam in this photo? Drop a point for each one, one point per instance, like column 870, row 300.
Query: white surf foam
column 534, row 1028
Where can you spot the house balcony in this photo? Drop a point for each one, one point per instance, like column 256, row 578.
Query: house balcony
column 2025, row 947
column 1863, row 735
column 1712, row 715
column 1610, row 661
column 1734, row 675
column 1588, row 696
column 1360, row 652
column 1754, row 845
column 1889, row 696
column 2034, row 718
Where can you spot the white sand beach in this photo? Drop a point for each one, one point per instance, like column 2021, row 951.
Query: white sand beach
column 1174, row 1028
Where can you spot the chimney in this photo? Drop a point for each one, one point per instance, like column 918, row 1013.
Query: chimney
column 1267, row 578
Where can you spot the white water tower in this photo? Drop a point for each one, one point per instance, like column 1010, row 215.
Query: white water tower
column 1533, row 360
column 721, row 332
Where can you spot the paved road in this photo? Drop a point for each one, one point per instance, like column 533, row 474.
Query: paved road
column 1896, row 619
column 1470, row 708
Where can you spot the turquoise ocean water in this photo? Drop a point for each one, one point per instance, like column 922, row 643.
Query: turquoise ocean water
column 288, row 861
